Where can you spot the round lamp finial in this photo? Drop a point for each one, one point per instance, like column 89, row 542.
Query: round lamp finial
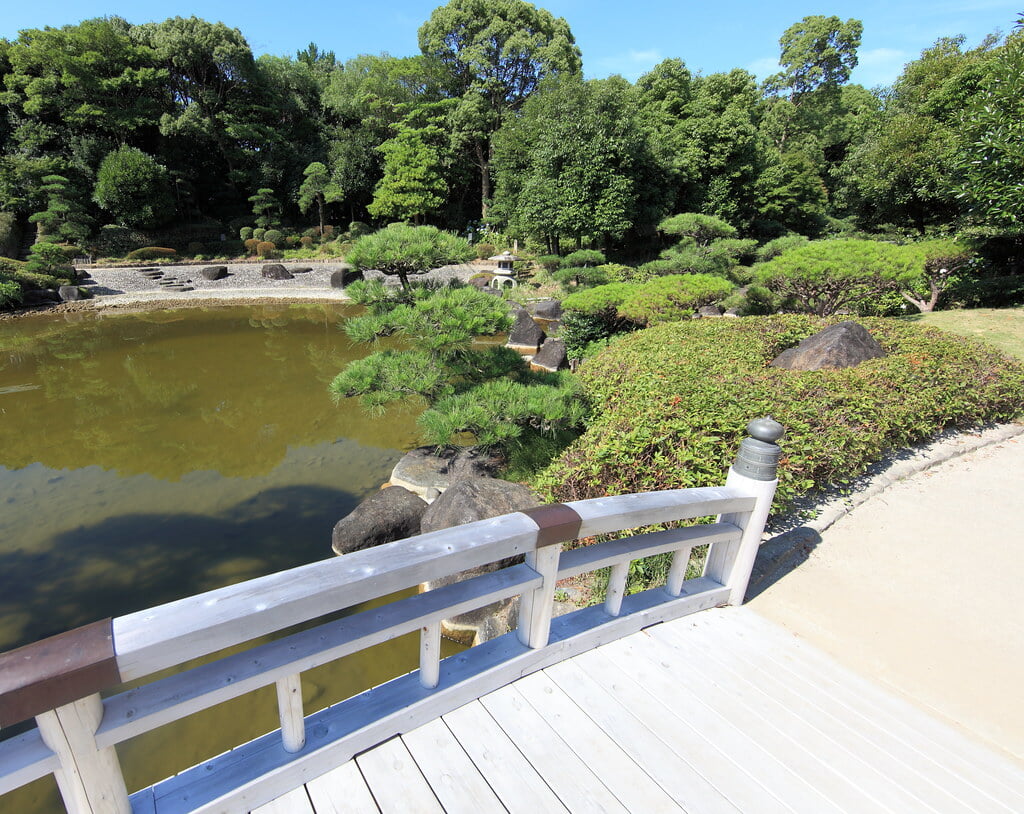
column 766, row 429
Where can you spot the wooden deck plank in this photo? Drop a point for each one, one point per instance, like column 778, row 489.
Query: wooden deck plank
column 513, row 779
column 458, row 784
column 575, row 784
column 837, row 743
column 342, row 791
column 667, row 687
column 617, row 769
column 294, row 802
column 664, row 754
column 980, row 780
column 395, row 780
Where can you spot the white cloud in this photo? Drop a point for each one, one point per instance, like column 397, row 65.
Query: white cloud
column 631, row 64
column 879, row 66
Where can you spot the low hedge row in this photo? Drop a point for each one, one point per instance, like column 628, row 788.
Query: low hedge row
column 671, row 404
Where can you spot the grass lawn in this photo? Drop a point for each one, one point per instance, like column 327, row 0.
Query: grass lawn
column 1002, row 327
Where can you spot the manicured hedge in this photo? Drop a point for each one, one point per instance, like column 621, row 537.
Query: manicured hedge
column 671, row 404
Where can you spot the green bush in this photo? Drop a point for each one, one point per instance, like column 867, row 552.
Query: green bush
column 780, row 245
column 151, row 253
column 10, row 293
column 484, row 250
column 266, row 249
column 258, row 233
column 549, row 262
column 672, row 402
column 598, row 299
column 582, row 276
column 245, row 233
column 668, row 299
column 274, row 236
column 116, row 241
column 306, row 241
column 356, row 229
column 583, row 257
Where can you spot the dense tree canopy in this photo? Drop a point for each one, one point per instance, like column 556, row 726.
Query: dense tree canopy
column 175, row 126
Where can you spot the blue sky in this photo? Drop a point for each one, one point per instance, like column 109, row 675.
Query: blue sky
column 615, row 37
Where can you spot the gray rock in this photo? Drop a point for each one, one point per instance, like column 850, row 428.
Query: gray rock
column 71, row 293
column 550, row 357
column 214, row 272
column 300, row 269
column 845, row 344
column 525, row 335
column 391, row 514
column 426, row 471
column 465, row 502
column 275, row 271
column 345, row 277
column 546, row 309
column 709, row 311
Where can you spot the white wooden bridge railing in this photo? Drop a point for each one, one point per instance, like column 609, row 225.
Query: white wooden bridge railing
column 58, row 681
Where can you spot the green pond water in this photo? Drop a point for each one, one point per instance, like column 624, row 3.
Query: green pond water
column 149, row 456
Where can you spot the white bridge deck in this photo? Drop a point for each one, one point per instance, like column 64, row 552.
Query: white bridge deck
column 720, row 711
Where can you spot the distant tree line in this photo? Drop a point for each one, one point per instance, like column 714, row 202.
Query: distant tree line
column 493, row 126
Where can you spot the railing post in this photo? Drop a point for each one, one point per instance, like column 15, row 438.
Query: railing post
column 89, row 778
column 290, row 712
column 535, row 606
column 754, row 473
column 430, row 655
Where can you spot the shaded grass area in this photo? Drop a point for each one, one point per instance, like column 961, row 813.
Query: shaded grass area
column 1002, row 327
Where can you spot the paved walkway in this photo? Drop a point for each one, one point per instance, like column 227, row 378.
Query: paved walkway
column 920, row 588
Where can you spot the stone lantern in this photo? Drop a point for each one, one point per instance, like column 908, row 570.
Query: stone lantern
column 504, row 275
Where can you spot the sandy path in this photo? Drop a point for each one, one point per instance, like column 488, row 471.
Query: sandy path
column 920, row 587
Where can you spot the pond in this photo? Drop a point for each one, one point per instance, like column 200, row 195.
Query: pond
column 148, row 456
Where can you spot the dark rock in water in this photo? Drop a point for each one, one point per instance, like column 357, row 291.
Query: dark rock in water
column 845, row 344
column 71, row 293
column 425, row 469
column 465, row 502
column 546, row 309
column 525, row 335
column 300, row 269
column 214, row 272
column 275, row 271
column 345, row 277
column 709, row 311
column 391, row 514
column 472, row 499
column 550, row 357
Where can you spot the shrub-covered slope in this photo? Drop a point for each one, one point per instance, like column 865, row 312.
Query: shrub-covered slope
column 671, row 404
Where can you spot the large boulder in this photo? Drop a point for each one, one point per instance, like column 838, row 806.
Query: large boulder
column 275, row 271
column 426, row 471
column 845, row 344
column 550, row 357
column 214, row 272
column 546, row 309
column 345, row 277
column 72, row 293
column 465, row 502
column 525, row 336
column 391, row 514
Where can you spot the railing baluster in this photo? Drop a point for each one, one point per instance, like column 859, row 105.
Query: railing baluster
column 289, row 707
column 677, row 571
column 535, row 607
column 430, row 655
column 89, row 779
column 616, row 588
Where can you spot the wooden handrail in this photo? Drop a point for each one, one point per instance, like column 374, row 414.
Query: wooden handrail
column 58, row 680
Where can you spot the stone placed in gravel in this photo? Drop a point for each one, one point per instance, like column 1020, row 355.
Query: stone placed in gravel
column 275, row 271
column 214, row 272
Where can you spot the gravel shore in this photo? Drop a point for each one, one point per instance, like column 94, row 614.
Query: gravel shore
column 244, row 281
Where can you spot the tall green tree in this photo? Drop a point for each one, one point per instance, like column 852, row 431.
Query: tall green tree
column 495, row 52
column 134, row 188
column 319, row 189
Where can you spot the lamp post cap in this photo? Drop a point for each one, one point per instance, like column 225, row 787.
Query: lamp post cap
column 766, row 429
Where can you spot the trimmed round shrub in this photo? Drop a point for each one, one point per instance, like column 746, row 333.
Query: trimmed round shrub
column 259, row 232
column 251, row 244
column 484, row 250
column 274, row 236
column 151, row 253
column 266, row 249
column 306, row 241
column 668, row 299
column 671, row 404
column 583, row 257
column 356, row 229
column 549, row 262
column 245, row 233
